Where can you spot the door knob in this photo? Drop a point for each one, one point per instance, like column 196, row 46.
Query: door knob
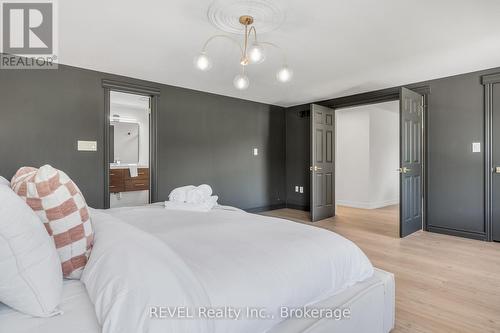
column 403, row 170
column 497, row 170
column 316, row 168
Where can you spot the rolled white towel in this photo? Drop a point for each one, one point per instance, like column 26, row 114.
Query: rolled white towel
column 199, row 194
column 179, row 194
column 206, row 206
column 205, row 189
column 212, row 201
column 195, row 196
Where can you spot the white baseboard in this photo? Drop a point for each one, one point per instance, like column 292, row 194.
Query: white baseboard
column 367, row 205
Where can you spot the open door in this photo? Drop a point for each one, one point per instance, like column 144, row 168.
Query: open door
column 411, row 111
column 322, row 162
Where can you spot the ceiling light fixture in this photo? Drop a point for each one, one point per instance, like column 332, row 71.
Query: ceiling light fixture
column 252, row 54
column 203, row 62
column 241, row 81
column 285, row 74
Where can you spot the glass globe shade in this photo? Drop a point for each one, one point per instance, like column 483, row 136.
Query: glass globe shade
column 256, row 53
column 285, row 74
column 202, row 62
column 241, row 81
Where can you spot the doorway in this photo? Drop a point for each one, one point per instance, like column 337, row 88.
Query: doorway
column 367, row 162
column 411, row 155
column 129, row 149
column 130, row 144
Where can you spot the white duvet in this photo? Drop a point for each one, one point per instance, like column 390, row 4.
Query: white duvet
column 189, row 265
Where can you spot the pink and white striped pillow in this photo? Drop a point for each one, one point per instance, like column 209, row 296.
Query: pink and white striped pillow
column 61, row 207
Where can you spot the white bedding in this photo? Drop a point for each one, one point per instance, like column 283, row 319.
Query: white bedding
column 223, row 258
column 77, row 316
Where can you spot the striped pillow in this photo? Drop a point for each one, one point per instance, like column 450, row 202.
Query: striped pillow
column 61, row 207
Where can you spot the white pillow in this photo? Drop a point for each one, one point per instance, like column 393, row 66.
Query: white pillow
column 60, row 205
column 30, row 270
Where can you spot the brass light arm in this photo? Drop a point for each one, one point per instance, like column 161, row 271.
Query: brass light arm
column 222, row 36
column 283, row 54
column 252, row 28
column 246, row 40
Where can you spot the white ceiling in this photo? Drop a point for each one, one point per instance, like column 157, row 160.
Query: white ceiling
column 131, row 100
column 335, row 47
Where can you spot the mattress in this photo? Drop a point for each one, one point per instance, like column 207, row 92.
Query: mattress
column 371, row 305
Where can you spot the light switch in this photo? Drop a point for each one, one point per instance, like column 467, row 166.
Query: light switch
column 87, row 145
column 476, row 147
column 296, row 189
column 255, row 151
column 301, row 189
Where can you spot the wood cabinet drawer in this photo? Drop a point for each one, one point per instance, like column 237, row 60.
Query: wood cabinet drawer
column 116, row 188
column 116, row 183
column 136, row 184
column 115, row 175
column 142, row 173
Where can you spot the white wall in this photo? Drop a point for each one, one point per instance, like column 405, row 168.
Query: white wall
column 384, row 154
column 367, row 155
column 352, row 157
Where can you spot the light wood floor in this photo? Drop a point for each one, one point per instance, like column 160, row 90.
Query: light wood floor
column 443, row 283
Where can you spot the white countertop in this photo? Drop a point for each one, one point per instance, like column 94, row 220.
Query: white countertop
column 126, row 166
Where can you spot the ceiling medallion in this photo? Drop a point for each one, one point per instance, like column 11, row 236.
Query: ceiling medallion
column 224, row 15
column 252, row 50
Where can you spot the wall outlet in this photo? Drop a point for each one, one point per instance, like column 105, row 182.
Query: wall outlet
column 87, row 145
column 476, row 147
column 301, row 189
column 296, row 189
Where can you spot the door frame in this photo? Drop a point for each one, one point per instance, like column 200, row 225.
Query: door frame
column 488, row 81
column 154, row 95
column 387, row 95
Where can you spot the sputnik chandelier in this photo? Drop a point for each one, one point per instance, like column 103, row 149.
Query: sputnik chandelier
column 252, row 54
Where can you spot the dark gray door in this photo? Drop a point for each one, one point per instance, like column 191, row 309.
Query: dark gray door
column 411, row 110
column 322, row 162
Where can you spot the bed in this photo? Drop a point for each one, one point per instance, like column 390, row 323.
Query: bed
column 220, row 258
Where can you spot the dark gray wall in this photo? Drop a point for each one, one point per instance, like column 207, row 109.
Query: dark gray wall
column 298, row 156
column 209, row 138
column 205, row 138
column 455, row 175
column 455, row 197
column 202, row 137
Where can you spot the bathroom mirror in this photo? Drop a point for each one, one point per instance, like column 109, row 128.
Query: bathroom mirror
column 125, row 136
